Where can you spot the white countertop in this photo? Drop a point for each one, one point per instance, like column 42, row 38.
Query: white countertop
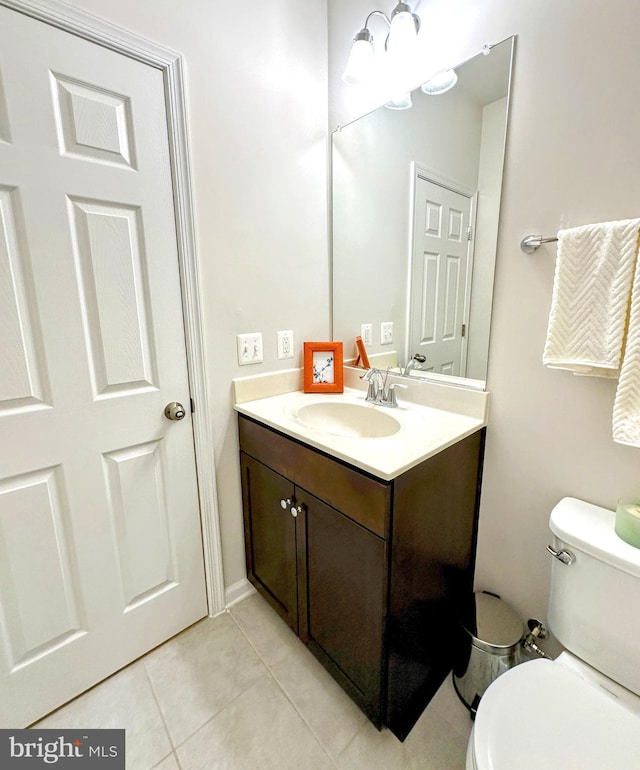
column 425, row 430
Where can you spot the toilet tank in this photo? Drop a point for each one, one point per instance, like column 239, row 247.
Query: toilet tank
column 594, row 604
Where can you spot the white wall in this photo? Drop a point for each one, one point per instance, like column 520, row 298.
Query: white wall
column 572, row 158
column 256, row 87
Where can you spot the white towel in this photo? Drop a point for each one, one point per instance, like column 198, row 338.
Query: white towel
column 591, row 290
column 626, row 407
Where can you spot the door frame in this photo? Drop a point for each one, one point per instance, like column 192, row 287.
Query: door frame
column 429, row 175
column 107, row 35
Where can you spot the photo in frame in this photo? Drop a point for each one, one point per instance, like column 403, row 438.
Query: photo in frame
column 323, row 370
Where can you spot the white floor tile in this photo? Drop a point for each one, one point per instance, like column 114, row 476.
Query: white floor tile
column 199, row 672
column 168, row 763
column 260, row 729
column 267, row 632
column 125, row 700
column 433, row 744
column 451, row 708
column 322, row 703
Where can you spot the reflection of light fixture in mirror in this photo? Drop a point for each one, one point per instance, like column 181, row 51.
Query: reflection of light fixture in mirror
column 403, row 30
column 400, row 102
column 440, row 83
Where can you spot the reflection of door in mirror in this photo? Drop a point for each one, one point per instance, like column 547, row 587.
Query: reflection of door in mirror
column 440, row 277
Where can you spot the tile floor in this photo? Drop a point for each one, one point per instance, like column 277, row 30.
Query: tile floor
column 241, row 692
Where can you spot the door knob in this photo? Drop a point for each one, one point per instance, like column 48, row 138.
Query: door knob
column 174, row 411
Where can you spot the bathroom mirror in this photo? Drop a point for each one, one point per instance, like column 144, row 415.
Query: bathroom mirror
column 415, row 206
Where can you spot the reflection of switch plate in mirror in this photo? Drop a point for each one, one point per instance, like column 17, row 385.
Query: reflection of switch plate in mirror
column 386, row 333
column 366, row 332
column 249, row 348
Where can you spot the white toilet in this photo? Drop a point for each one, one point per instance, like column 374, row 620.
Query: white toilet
column 580, row 711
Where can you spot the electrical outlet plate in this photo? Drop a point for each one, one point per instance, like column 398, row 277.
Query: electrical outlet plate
column 285, row 344
column 249, row 348
column 366, row 332
column 386, row 333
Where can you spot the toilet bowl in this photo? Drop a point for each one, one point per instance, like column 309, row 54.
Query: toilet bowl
column 555, row 714
column 580, row 711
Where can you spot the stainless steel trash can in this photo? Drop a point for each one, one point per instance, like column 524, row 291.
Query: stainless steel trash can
column 493, row 634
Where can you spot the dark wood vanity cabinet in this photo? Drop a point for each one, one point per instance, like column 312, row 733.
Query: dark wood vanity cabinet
column 368, row 573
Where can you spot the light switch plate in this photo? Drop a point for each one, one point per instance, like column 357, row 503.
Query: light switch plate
column 249, row 348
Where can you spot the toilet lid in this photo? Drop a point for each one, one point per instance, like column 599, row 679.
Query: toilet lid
column 544, row 714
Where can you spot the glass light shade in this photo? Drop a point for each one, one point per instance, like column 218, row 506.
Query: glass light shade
column 360, row 63
column 440, row 83
column 402, row 34
column 400, row 102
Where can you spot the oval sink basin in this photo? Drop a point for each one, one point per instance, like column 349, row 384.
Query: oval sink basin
column 347, row 419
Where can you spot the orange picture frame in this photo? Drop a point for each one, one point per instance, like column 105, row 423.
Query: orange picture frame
column 323, row 367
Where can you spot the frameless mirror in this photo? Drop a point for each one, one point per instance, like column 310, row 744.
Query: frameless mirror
column 415, row 206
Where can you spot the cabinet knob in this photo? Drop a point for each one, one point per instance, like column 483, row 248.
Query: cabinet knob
column 284, row 504
column 295, row 510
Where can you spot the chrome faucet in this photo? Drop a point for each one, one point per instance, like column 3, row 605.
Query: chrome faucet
column 378, row 392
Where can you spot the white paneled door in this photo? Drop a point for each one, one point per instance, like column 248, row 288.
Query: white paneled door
column 100, row 542
column 440, row 277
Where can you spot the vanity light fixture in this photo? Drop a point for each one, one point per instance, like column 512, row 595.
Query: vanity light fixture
column 440, row 83
column 403, row 30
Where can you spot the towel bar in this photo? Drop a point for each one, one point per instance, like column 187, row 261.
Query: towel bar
column 532, row 242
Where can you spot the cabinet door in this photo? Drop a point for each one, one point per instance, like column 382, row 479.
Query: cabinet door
column 270, row 537
column 344, row 605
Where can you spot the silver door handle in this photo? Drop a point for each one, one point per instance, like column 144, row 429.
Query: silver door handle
column 174, row 411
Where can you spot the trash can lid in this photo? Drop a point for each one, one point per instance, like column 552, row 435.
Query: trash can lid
column 492, row 624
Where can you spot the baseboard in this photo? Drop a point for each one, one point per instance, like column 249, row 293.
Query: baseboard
column 237, row 592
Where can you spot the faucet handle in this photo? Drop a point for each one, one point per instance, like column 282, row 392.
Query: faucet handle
column 368, row 376
column 392, row 393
